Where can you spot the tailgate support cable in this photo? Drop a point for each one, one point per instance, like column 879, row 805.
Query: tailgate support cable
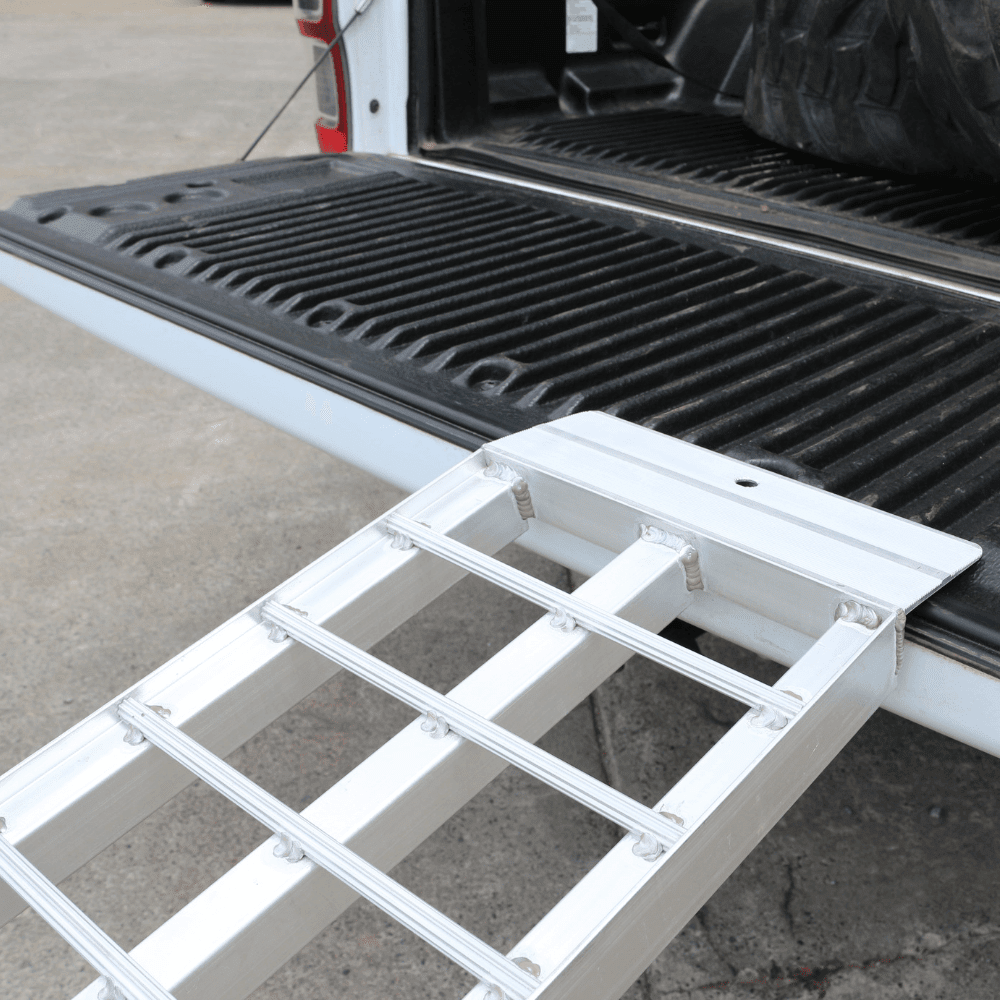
column 359, row 9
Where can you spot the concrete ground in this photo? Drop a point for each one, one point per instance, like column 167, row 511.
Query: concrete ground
column 138, row 513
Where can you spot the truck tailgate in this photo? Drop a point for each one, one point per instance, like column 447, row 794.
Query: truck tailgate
column 469, row 309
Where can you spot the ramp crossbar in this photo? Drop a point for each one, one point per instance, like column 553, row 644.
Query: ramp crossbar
column 446, row 714
column 434, row 927
column 123, row 976
column 699, row 668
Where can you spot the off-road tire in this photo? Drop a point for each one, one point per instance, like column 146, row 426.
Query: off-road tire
column 907, row 85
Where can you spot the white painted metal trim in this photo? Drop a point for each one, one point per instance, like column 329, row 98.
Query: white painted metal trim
column 948, row 697
column 377, row 58
column 382, row 445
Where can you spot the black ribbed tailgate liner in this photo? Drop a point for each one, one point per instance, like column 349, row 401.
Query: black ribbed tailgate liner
column 474, row 310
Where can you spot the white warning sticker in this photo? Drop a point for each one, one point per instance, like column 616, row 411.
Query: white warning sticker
column 581, row 26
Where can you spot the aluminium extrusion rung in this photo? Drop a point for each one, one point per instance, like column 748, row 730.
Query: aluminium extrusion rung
column 476, row 957
column 594, row 794
column 124, row 977
column 699, row 668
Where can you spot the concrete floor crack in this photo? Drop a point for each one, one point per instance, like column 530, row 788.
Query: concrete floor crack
column 605, row 741
column 720, row 954
column 786, row 901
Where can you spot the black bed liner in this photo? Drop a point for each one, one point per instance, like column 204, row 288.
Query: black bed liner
column 718, row 152
column 474, row 310
column 714, row 166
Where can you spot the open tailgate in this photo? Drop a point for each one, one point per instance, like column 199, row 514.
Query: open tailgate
column 399, row 314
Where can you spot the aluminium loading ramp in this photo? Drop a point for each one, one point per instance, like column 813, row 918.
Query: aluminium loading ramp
column 825, row 581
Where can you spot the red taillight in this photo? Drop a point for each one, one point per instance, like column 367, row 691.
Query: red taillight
column 331, row 140
column 331, row 86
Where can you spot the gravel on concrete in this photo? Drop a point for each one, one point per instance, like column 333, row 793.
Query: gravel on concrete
column 137, row 513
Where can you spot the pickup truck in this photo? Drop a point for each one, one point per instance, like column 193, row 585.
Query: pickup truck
column 522, row 213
